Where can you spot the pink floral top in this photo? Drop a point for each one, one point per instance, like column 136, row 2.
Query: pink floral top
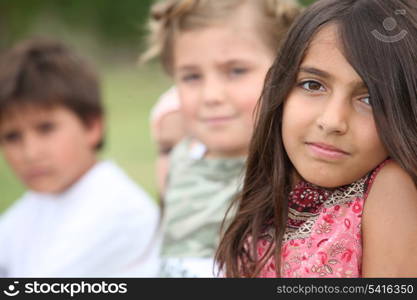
column 323, row 236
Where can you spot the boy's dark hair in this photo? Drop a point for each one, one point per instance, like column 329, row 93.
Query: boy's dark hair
column 46, row 73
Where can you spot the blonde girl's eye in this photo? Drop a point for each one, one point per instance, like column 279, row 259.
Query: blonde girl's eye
column 190, row 77
column 312, row 86
column 237, row 71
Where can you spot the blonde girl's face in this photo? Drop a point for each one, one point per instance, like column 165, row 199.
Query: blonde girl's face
column 328, row 127
column 219, row 71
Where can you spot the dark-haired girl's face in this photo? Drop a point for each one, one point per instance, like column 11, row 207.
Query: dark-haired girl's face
column 328, row 129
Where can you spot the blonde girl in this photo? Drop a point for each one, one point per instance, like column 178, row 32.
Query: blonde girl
column 218, row 53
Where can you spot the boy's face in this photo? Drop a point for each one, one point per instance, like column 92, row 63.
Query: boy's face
column 219, row 72
column 48, row 149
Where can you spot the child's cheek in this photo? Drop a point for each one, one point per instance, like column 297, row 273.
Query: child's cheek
column 247, row 107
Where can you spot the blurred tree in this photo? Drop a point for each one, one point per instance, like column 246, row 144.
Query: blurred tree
column 16, row 17
column 115, row 22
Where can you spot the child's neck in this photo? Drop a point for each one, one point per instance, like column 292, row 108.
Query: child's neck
column 234, row 153
column 212, row 154
column 295, row 178
column 87, row 168
column 200, row 150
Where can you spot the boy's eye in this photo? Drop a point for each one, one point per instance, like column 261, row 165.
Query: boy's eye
column 312, row 86
column 11, row 137
column 46, row 127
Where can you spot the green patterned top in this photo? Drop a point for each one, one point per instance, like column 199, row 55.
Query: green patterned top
column 199, row 192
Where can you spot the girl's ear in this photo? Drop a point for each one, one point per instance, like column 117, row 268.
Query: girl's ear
column 95, row 131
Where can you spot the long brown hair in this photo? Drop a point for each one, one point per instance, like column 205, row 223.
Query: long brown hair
column 386, row 60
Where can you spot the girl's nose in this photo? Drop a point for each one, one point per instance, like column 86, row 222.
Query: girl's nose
column 213, row 92
column 334, row 116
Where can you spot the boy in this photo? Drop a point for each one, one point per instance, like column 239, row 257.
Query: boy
column 80, row 217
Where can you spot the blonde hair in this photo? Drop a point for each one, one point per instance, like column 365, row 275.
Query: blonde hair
column 170, row 17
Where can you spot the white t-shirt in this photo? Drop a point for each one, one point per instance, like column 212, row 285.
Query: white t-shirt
column 103, row 226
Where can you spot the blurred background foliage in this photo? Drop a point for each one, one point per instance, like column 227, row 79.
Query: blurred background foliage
column 105, row 24
column 112, row 23
column 110, row 34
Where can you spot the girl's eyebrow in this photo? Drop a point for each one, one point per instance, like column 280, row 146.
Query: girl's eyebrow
column 311, row 70
column 235, row 61
column 231, row 62
column 187, row 68
column 315, row 71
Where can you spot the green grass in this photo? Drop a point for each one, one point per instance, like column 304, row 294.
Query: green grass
column 129, row 93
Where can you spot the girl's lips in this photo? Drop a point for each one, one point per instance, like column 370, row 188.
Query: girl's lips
column 326, row 151
column 217, row 120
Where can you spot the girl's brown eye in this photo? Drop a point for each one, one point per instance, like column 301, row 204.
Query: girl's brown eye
column 311, row 85
column 366, row 100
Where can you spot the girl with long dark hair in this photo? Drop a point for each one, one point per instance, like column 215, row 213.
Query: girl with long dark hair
column 330, row 187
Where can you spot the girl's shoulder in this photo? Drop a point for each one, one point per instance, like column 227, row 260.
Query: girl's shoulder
column 391, row 189
column 371, row 176
column 389, row 224
column 390, row 180
column 391, row 193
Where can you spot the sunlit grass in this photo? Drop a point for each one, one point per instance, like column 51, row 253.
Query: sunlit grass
column 129, row 93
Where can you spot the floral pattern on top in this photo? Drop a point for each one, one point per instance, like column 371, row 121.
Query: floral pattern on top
column 323, row 235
